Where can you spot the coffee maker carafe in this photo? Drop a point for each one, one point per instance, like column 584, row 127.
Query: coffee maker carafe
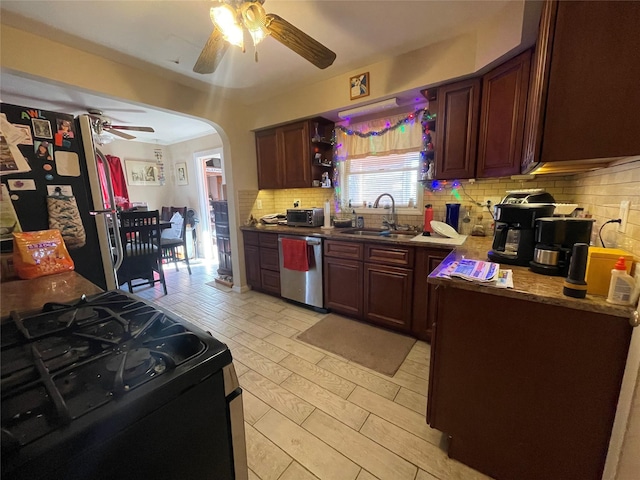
column 514, row 237
column 555, row 238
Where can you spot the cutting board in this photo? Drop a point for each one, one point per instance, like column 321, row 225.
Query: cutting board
column 436, row 239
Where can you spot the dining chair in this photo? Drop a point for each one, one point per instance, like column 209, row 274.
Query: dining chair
column 170, row 245
column 140, row 235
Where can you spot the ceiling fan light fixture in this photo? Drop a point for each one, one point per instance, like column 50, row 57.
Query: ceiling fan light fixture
column 224, row 18
column 103, row 138
column 255, row 20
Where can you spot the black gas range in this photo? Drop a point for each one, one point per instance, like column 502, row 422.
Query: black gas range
column 113, row 386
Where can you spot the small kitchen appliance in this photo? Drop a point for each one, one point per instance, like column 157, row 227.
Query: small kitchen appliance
column 305, row 217
column 112, row 386
column 527, row 196
column 513, row 240
column 555, row 238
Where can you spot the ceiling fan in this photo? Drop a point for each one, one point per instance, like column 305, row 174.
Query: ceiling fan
column 101, row 124
column 232, row 17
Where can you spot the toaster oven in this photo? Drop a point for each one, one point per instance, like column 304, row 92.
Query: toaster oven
column 305, row 217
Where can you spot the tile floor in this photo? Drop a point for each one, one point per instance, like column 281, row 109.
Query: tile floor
column 310, row 414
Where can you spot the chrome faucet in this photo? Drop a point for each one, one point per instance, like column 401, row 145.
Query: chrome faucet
column 394, row 221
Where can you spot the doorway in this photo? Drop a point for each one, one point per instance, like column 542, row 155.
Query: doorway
column 211, row 187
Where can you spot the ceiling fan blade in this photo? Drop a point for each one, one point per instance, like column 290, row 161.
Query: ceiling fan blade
column 119, row 134
column 299, row 42
column 132, row 128
column 211, row 54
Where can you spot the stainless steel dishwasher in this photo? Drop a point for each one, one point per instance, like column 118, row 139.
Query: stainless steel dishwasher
column 303, row 287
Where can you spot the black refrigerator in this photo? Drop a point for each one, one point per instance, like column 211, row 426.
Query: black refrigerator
column 44, row 153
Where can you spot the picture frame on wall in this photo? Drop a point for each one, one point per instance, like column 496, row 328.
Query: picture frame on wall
column 142, row 173
column 182, row 177
column 359, row 85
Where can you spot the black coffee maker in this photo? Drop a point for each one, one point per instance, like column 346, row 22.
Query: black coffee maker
column 555, row 238
column 514, row 237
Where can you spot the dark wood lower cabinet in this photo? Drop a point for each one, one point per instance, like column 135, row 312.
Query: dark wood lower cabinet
column 252, row 265
column 343, row 286
column 525, row 390
column 262, row 261
column 424, row 294
column 387, row 295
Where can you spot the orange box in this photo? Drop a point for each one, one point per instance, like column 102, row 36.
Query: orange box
column 600, row 262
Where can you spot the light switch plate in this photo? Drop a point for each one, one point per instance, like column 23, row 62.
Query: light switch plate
column 259, row 204
column 623, row 215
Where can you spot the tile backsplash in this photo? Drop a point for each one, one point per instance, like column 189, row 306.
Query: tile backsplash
column 599, row 192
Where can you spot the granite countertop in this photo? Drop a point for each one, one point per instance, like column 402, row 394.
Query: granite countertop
column 25, row 295
column 338, row 234
column 527, row 284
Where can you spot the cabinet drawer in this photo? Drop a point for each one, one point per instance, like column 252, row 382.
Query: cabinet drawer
column 251, row 238
column 269, row 259
column 401, row 256
column 269, row 240
column 333, row 248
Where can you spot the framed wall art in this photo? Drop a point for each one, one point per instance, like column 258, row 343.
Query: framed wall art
column 181, row 174
column 142, row 173
column 359, row 85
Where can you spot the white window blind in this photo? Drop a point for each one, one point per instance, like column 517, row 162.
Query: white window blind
column 364, row 179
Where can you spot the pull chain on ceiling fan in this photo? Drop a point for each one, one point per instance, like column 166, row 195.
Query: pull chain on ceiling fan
column 231, row 17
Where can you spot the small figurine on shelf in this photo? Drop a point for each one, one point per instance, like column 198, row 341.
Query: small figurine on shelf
column 326, row 181
column 316, row 135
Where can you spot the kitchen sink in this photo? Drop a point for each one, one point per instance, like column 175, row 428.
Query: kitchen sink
column 379, row 232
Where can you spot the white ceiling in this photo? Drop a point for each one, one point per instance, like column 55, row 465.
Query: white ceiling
column 167, row 37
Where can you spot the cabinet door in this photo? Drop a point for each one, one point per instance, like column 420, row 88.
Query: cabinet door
column 457, row 127
column 270, row 281
column 343, row 286
column 252, row 265
column 424, row 294
column 387, row 295
column 584, row 49
column 504, row 101
column 293, row 142
column 269, row 165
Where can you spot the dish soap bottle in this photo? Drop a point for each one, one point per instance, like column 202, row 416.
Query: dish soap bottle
column 428, row 216
column 621, row 284
column 354, row 218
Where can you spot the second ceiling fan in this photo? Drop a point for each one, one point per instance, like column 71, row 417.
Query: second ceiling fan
column 232, row 17
column 101, row 124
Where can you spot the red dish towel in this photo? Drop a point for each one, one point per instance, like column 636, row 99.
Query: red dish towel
column 295, row 254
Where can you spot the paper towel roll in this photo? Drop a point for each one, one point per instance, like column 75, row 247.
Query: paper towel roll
column 327, row 215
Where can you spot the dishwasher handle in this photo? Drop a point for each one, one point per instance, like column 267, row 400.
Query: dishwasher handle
column 312, row 242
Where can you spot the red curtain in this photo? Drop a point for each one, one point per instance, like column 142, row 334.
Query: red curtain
column 117, row 180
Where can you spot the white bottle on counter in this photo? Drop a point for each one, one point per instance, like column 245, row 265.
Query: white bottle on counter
column 621, row 285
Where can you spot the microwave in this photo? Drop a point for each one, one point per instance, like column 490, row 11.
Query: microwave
column 305, row 217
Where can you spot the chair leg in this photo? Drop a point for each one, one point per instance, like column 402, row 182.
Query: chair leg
column 186, row 259
column 162, row 280
column 130, row 286
column 174, row 257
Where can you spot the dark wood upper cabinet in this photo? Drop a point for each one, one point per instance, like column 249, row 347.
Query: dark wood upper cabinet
column 285, row 154
column 502, row 114
column 584, row 97
column 269, row 165
column 457, row 128
column 293, row 140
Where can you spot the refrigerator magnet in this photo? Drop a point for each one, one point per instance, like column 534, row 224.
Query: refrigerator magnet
column 43, row 150
column 65, row 190
column 22, row 184
column 65, row 128
column 48, row 177
column 67, row 164
column 41, row 128
column 47, row 167
column 25, row 130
